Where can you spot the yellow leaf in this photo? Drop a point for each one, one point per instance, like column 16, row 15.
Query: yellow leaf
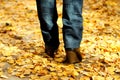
column 110, row 70
column 84, row 78
column 98, row 78
column 109, row 78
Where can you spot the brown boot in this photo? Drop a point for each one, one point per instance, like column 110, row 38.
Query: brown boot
column 77, row 50
column 73, row 55
column 49, row 50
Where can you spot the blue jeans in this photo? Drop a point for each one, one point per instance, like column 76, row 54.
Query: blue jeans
column 72, row 22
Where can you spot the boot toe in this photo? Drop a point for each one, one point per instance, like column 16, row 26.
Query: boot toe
column 50, row 51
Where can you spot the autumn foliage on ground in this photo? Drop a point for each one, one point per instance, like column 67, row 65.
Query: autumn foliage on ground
column 22, row 54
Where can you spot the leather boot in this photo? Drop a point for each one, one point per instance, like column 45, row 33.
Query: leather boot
column 73, row 55
column 49, row 50
column 77, row 51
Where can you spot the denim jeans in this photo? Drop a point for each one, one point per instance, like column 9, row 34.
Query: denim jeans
column 72, row 22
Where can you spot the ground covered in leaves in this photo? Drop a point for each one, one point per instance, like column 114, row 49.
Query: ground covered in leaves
column 22, row 54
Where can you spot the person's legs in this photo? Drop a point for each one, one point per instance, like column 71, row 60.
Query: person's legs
column 72, row 28
column 47, row 14
column 72, row 23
